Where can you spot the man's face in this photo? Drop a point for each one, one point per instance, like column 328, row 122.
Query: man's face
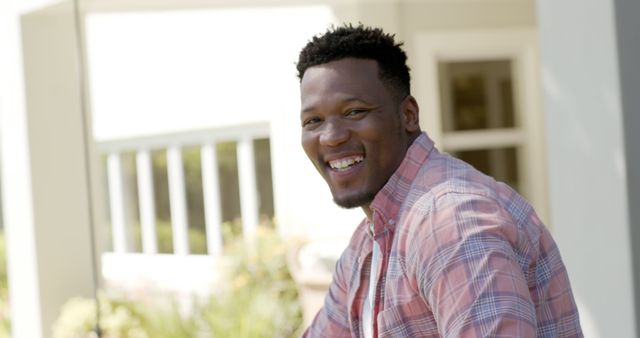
column 353, row 130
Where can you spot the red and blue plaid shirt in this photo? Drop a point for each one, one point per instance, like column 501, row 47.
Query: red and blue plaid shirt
column 462, row 256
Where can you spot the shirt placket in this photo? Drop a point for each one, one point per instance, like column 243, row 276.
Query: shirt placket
column 381, row 236
column 367, row 307
column 357, row 286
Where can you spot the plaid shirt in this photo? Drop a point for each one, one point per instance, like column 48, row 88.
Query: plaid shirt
column 462, row 256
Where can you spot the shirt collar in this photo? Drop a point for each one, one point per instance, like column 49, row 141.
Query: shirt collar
column 388, row 201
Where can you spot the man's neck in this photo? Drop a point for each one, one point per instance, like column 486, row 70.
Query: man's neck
column 367, row 211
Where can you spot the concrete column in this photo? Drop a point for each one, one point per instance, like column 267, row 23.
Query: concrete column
column 44, row 177
column 590, row 77
column 628, row 42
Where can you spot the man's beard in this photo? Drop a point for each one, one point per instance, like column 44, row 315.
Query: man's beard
column 355, row 201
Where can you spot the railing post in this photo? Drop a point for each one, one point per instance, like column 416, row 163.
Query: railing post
column 248, row 188
column 116, row 202
column 211, row 195
column 146, row 202
column 177, row 200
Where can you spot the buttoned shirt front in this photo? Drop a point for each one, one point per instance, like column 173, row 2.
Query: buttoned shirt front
column 461, row 256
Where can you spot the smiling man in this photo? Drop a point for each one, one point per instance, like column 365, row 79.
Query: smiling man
column 444, row 251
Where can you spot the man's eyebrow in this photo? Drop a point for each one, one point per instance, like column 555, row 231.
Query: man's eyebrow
column 308, row 109
column 344, row 101
column 352, row 99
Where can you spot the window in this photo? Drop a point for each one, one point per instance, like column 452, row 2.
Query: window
column 479, row 96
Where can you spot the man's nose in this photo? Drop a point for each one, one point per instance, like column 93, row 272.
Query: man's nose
column 333, row 134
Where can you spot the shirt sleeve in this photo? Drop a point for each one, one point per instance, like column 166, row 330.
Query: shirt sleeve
column 333, row 319
column 468, row 271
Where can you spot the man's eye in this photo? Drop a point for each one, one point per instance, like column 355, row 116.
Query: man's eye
column 354, row 112
column 310, row 122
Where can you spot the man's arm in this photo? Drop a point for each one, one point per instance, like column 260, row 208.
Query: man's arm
column 469, row 272
column 333, row 319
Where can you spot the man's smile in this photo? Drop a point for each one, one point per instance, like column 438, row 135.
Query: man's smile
column 343, row 168
column 343, row 164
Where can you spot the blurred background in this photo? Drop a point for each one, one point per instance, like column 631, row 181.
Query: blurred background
column 153, row 184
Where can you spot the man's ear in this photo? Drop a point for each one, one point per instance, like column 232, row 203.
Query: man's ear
column 410, row 114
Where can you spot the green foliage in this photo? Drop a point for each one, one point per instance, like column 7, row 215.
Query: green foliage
column 121, row 319
column 231, row 231
column 5, row 317
column 193, row 184
column 258, row 298
column 197, row 239
column 3, row 262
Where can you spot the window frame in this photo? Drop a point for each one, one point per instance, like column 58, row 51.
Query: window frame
column 520, row 46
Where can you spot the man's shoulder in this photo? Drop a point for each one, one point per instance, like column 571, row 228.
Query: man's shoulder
column 443, row 175
column 444, row 182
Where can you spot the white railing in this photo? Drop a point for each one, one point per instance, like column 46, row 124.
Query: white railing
column 180, row 272
column 173, row 144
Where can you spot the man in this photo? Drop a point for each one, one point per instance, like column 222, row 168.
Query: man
column 444, row 250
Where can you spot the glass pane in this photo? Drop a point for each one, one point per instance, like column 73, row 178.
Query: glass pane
column 229, row 189
column 476, row 95
column 161, row 200
column 500, row 163
column 262, row 151
column 195, row 201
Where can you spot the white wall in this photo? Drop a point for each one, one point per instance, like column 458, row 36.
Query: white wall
column 587, row 161
column 628, row 42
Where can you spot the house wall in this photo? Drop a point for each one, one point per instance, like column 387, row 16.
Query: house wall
column 588, row 108
column 628, row 44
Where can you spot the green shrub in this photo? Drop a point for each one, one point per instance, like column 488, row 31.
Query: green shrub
column 5, row 316
column 121, row 319
column 258, row 298
column 197, row 238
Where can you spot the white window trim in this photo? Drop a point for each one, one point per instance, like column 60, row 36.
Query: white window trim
column 521, row 47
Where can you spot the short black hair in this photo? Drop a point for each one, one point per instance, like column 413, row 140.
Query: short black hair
column 360, row 42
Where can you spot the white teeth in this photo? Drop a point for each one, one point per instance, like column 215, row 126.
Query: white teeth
column 345, row 163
